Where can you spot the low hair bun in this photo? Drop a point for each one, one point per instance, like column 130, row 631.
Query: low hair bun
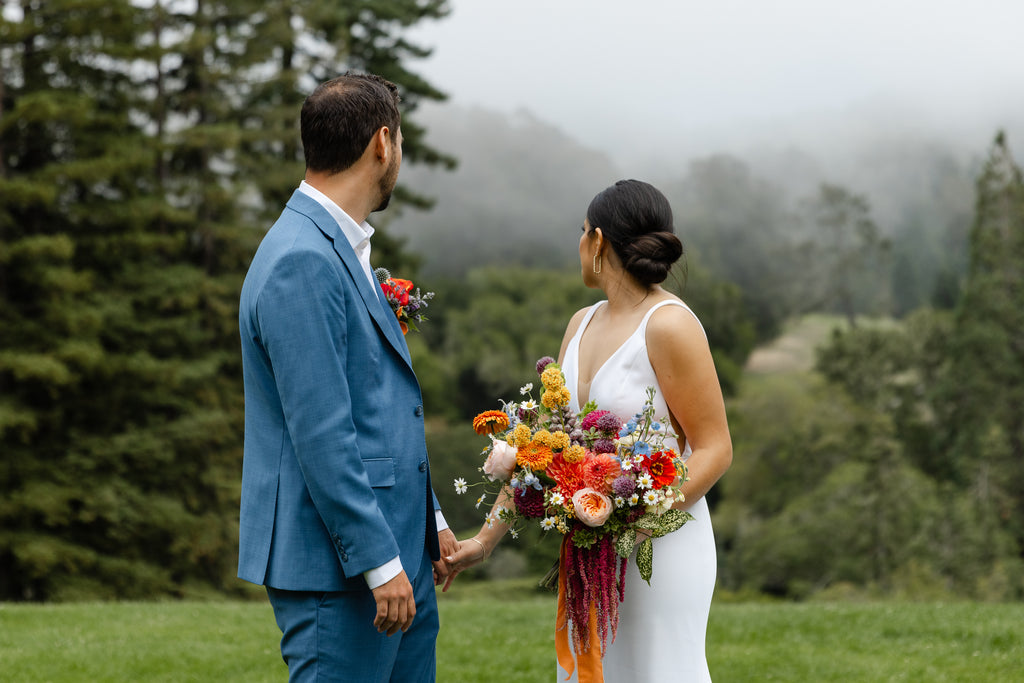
column 650, row 257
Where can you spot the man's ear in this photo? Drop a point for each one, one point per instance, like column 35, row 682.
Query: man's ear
column 383, row 144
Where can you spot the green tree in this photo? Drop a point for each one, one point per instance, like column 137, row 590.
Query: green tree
column 845, row 257
column 983, row 422
column 143, row 152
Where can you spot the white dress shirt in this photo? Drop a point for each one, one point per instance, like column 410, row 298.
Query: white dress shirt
column 358, row 235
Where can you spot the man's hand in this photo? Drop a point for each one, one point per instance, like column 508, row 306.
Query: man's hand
column 449, row 544
column 396, row 606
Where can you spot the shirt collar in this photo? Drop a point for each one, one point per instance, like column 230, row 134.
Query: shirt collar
column 358, row 235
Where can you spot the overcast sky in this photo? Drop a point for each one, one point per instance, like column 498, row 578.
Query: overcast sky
column 630, row 76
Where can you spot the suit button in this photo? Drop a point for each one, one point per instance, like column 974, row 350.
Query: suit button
column 423, row 467
column 344, row 557
column 419, row 411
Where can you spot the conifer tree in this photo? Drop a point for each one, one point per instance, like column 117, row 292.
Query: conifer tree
column 144, row 150
column 985, row 424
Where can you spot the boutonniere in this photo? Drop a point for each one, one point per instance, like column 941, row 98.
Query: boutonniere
column 407, row 304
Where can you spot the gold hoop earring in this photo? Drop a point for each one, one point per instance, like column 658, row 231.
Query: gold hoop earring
column 597, row 263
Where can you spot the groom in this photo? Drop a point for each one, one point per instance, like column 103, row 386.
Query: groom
column 338, row 519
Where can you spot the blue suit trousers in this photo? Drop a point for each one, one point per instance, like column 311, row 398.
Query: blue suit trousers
column 329, row 636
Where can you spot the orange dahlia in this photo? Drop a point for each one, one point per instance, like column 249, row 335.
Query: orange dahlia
column 490, row 422
column 535, row 456
column 568, row 475
column 599, row 471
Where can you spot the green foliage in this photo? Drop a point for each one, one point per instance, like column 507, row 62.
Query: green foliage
column 498, row 322
column 143, row 151
column 981, row 419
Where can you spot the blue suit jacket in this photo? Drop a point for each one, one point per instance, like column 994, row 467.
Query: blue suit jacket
column 335, row 478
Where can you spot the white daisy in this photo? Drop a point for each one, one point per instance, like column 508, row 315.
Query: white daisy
column 527, row 388
column 528, row 405
column 651, row 498
column 480, row 500
column 513, row 532
column 460, row 486
column 557, row 499
column 491, row 518
column 547, row 524
column 644, row 481
column 620, row 501
column 634, row 499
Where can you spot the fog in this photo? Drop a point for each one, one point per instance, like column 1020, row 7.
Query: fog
column 655, row 82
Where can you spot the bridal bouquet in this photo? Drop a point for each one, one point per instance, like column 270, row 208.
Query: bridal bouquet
column 407, row 305
column 602, row 482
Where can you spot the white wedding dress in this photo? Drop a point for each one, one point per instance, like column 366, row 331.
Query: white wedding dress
column 661, row 628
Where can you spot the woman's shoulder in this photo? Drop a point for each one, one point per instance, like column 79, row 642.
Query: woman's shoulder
column 577, row 319
column 672, row 319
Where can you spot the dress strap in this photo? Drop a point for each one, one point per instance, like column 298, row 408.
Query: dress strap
column 670, row 302
column 586, row 319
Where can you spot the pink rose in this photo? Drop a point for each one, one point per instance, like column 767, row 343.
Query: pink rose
column 501, row 461
column 592, row 507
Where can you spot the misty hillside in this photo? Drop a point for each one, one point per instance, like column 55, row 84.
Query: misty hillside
column 522, row 186
column 517, row 196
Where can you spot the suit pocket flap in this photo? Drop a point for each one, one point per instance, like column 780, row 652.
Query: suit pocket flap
column 381, row 471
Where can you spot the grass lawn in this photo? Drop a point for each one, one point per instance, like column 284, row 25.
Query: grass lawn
column 503, row 632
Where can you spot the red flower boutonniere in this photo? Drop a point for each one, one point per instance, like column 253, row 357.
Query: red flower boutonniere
column 407, row 304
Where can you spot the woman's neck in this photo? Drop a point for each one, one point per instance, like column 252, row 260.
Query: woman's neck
column 626, row 295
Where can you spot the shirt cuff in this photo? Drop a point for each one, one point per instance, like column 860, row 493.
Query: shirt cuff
column 384, row 573
column 441, row 524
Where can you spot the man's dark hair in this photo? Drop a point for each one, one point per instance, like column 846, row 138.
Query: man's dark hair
column 340, row 117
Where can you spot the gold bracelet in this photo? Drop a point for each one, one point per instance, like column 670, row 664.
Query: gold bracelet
column 483, row 550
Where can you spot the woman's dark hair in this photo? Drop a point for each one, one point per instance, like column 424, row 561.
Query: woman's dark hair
column 636, row 219
column 341, row 115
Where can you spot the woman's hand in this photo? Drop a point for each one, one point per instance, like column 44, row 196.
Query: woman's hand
column 471, row 552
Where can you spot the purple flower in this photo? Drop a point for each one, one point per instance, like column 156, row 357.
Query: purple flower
column 624, row 486
column 609, row 423
column 543, row 363
column 604, row 446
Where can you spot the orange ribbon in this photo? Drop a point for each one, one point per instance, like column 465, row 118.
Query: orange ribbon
column 590, row 669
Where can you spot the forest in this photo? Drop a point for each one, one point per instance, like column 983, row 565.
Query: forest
column 145, row 149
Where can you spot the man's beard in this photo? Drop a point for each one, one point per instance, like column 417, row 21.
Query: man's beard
column 387, row 183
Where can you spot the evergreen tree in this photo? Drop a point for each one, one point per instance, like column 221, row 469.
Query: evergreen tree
column 983, row 399
column 144, row 150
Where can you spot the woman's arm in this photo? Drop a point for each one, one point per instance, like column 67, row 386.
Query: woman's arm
column 474, row 550
column 681, row 358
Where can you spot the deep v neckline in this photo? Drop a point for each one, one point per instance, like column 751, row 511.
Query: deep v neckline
column 579, row 345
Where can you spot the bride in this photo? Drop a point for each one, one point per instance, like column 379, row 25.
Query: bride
column 642, row 336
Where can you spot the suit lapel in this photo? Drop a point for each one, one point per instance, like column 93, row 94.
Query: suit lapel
column 372, row 296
